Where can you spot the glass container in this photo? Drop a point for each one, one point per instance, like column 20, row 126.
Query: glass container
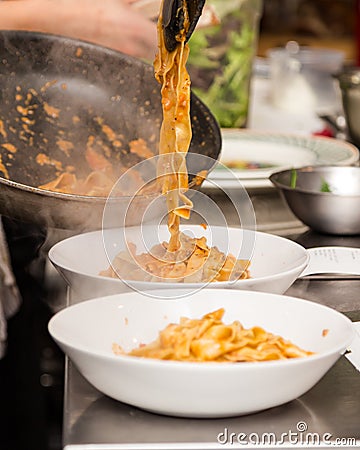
column 221, row 59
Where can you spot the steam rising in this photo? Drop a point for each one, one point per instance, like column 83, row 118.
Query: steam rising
column 81, row 258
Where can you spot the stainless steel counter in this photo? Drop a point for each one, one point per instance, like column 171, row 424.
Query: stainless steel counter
column 93, row 421
column 330, row 412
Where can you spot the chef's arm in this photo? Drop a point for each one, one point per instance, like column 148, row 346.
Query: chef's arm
column 112, row 23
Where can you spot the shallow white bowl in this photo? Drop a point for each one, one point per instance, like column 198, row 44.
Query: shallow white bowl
column 276, row 262
column 87, row 330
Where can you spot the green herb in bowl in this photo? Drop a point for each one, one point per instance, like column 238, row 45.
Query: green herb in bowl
column 325, row 187
column 293, row 178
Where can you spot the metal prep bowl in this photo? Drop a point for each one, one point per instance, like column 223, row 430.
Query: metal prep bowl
column 349, row 83
column 335, row 212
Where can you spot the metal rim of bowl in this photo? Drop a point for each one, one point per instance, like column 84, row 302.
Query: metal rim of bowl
column 283, row 186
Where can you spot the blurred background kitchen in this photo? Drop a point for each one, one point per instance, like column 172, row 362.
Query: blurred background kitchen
column 320, row 38
column 329, row 26
column 37, row 407
column 318, row 23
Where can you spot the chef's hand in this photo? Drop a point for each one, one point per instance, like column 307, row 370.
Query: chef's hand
column 112, row 23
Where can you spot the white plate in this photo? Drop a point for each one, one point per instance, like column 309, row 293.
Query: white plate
column 87, row 330
column 279, row 151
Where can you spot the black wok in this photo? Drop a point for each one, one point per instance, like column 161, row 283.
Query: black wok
column 54, row 93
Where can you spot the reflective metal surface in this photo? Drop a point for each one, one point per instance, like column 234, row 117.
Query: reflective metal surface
column 349, row 83
column 326, row 198
column 93, row 421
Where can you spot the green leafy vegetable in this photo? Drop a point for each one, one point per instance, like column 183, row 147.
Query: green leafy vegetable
column 293, row 178
column 220, row 60
column 325, row 187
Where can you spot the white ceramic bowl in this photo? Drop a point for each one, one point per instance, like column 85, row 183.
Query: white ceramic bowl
column 276, row 262
column 87, row 330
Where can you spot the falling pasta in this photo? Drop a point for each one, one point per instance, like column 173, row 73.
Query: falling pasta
column 182, row 259
column 175, row 133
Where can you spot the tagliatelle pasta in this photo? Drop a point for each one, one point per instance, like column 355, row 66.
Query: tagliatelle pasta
column 210, row 339
column 182, row 259
column 194, row 262
column 176, row 132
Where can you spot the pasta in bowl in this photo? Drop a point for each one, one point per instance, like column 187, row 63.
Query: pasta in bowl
column 88, row 330
column 268, row 263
